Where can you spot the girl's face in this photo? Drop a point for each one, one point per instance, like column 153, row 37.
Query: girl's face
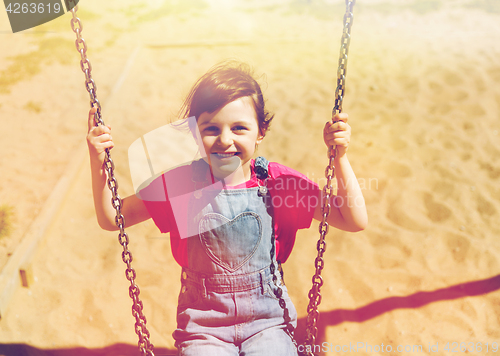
column 229, row 137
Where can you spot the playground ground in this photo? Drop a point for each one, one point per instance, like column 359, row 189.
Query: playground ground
column 423, row 99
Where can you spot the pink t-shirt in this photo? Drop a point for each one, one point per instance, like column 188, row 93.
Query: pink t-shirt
column 294, row 198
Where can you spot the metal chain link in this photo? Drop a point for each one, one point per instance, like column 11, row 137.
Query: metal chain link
column 278, row 292
column 145, row 346
column 317, row 280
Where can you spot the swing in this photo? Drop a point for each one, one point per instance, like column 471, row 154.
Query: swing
column 145, row 345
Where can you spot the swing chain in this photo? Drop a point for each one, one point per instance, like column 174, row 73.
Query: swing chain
column 344, row 51
column 145, row 346
column 317, row 280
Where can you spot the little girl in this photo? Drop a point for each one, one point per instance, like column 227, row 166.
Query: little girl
column 232, row 219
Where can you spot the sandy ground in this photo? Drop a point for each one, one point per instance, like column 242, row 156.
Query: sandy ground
column 423, row 99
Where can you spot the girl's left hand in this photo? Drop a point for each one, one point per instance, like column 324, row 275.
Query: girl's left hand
column 338, row 133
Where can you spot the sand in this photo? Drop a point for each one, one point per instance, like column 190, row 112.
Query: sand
column 423, row 99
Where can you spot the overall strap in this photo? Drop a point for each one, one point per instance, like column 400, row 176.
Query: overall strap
column 262, row 173
column 199, row 170
column 261, row 168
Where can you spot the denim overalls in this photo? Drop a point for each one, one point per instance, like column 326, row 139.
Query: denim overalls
column 227, row 304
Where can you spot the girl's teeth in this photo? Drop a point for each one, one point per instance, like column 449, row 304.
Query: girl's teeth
column 224, row 155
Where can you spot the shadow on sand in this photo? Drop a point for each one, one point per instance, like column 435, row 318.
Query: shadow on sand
column 112, row 350
column 329, row 318
column 412, row 301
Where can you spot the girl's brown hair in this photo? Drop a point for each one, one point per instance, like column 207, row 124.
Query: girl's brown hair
column 222, row 84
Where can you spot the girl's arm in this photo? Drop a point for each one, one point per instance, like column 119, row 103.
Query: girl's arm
column 348, row 210
column 133, row 209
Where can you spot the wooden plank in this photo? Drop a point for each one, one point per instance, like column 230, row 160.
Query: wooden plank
column 18, row 272
column 12, row 277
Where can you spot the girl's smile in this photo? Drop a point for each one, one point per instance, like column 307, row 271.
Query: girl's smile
column 228, row 139
column 226, row 155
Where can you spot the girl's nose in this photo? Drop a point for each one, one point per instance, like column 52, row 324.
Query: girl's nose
column 225, row 138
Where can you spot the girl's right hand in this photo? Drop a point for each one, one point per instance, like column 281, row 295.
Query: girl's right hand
column 98, row 138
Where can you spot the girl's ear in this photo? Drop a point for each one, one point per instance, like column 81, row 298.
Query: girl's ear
column 259, row 139
column 261, row 136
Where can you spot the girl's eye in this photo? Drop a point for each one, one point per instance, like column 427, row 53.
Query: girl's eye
column 210, row 129
column 240, row 128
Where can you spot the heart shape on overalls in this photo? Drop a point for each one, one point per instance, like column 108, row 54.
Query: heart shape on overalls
column 230, row 243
